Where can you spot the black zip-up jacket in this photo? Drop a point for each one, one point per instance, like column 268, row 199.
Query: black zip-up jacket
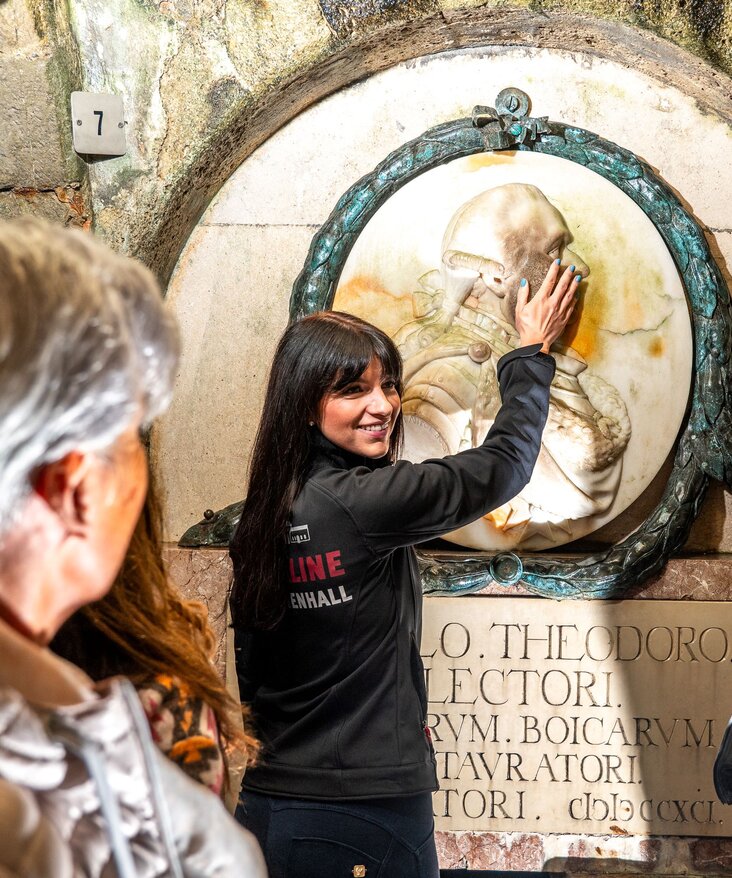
column 337, row 690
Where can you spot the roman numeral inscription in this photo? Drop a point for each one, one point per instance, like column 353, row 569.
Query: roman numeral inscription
column 577, row 716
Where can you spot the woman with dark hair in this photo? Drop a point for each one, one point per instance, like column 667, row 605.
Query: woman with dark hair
column 326, row 600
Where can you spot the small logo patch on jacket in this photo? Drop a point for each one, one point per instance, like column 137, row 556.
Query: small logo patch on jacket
column 299, row 534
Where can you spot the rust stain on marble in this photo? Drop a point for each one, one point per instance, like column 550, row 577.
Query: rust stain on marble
column 656, row 346
column 78, row 215
column 27, row 192
column 489, row 160
column 590, row 315
column 359, row 295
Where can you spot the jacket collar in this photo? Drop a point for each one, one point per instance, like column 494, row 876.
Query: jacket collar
column 324, row 452
column 42, row 694
column 37, row 674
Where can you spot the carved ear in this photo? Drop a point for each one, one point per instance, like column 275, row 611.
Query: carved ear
column 458, row 259
column 61, row 485
column 491, row 268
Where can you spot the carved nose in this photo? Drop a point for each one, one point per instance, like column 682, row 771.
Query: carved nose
column 569, row 257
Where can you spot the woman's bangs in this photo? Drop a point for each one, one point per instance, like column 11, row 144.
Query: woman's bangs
column 346, row 345
column 350, row 356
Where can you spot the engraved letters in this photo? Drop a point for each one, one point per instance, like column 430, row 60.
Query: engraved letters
column 577, row 717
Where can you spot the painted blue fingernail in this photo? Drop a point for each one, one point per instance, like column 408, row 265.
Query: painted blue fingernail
column 571, row 267
column 578, row 278
column 523, row 282
column 557, row 261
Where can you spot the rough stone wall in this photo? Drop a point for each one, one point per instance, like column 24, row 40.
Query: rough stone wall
column 213, row 78
column 206, row 81
column 39, row 173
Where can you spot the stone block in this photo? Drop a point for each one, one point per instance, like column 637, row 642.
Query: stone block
column 17, row 31
column 204, row 576
column 492, row 851
column 270, row 42
column 63, row 204
column 600, row 855
column 712, row 530
column 712, row 856
column 231, row 301
column 30, row 148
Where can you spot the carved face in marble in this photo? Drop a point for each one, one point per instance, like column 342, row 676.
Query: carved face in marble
column 498, row 237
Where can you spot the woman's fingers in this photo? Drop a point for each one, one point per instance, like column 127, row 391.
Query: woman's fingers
column 564, row 286
column 550, row 280
column 572, row 294
column 566, row 290
column 544, row 317
column 523, row 294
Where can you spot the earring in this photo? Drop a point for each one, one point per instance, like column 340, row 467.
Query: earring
column 311, row 423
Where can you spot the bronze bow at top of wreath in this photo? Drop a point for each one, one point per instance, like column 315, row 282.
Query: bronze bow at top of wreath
column 508, row 124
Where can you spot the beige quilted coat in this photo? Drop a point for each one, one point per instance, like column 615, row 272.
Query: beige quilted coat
column 84, row 792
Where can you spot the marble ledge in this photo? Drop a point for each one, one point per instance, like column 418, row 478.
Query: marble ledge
column 204, row 574
column 620, row 855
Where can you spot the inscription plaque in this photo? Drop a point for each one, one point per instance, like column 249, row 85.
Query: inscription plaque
column 583, row 717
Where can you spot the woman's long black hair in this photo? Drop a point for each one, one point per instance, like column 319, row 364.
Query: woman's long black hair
column 317, row 355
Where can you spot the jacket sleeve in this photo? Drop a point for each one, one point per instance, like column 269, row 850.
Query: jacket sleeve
column 208, row 840
column 409, row 503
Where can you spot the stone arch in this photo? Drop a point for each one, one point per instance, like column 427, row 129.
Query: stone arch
column 253, row 121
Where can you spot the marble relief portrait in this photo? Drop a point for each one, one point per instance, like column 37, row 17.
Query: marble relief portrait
column 438, row 267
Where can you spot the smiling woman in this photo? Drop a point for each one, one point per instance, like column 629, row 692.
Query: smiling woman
column 326, row 601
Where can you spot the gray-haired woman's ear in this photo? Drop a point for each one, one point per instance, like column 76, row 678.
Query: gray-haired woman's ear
column 86, row 346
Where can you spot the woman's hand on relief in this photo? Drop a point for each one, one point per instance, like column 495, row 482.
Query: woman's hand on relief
column 541, row 318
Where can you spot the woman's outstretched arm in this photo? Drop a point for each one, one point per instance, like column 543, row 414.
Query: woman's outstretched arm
column 410, row 503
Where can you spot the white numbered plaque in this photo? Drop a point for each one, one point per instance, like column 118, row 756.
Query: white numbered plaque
column 98, row 124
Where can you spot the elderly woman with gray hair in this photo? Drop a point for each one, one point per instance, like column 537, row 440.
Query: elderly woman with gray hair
column 87, row 360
